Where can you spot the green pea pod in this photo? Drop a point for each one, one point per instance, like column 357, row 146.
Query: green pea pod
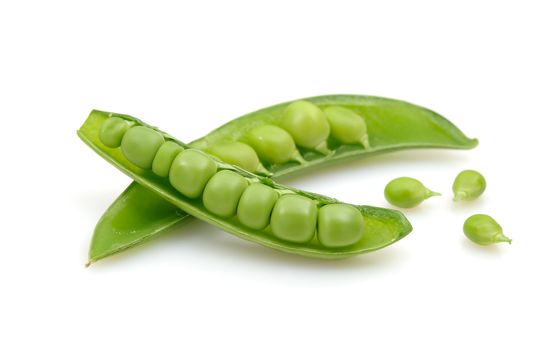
column 380, row 227
column 139, row 214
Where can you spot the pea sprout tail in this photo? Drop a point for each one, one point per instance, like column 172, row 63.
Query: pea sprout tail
column 298, row 158
column 261, row 170
column 322, row 148
column 432, row 193
column 460, row 196
column 501, row 238
column 365, row 142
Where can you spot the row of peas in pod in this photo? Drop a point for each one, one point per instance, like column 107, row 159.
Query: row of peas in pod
column 302, row 124
column 227, row 193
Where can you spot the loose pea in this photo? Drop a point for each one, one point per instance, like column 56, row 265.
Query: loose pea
column 406, row 192
column 112, row 131
column 222, row 193
column 484, row 230
column 164, row 158
column 307, row 124
column 294, row 218
column 140, row 144
column 190, row 172
column 468, row 185
column 238, row 153
column 274, row 144
column 347, row 126
column 339, row 225
column 255, row 206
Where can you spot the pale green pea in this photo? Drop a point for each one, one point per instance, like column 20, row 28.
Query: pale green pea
column 406, row 192
column 339, row 225
column 308, row 125
column 140, row 144
column 255, row 206
column 190, row 172
column 164, row 158
column 222, row 192
column 484, row 230
column 347, row 126
column 468, row 185
column 239, row 154
column 273, row 144
column 112, row 131
column 294, row 218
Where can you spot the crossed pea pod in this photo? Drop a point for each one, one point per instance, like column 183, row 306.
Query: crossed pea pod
column 224, row 177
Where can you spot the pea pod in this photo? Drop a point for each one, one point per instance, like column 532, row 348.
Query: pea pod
column 210, row 189
column 389, row 125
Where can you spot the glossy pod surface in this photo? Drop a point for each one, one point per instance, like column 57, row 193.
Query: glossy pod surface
column 212, row 191
column 371, row 125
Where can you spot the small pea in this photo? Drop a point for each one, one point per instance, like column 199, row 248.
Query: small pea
column 347, row 126
column 190, row 172
column 406, row 192
column 484, row 230
column 222, row 192
column 308, row 125
column 164, row 158
column 294, row 218
column 112, row 131
column 274, row 144
column 140, row 144
column 240, row 154
column 468, row 185
column 255, row 206
column 339, row 225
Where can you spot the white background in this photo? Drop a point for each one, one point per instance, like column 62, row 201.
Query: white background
column 189, row 67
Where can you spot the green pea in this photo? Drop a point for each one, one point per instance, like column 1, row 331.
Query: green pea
column 222, row 192
column 112, row 131
column 484, row 230
column 308, row 125
column 240, row 154
column 294, row 218
column 406, row 192
column 347, row 126
column 190, row 172
column 468, row 185
column 164, row 158
column 255, row 206
column 140, row 144
column 274, row 144
column 339, row 225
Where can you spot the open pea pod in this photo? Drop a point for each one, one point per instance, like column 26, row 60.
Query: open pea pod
column 384, row 124
column 274, row 215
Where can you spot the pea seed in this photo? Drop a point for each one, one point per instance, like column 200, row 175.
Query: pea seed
column 468, row 185
column 308, row 125
column 164, row 158
column 190, row 172
column 406, row 192
column 274, row 144
column 294, row 218
column 222, row 193
column 255, row 206
column 112, row 131
column 347, row 126
column 240, row 154
column 339, row 225
column 140, row 144
column 484, row 230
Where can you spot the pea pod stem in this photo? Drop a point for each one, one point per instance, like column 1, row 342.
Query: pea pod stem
column 393, row 125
